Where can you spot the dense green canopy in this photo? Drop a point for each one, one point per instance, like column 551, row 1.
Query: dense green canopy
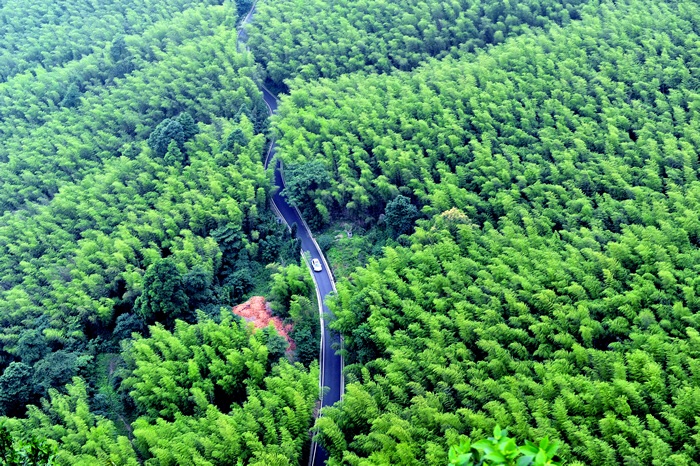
column 552, row 286
column 121, row 205
column 206, row 394
column 521, row 181
column 47, row 34
column 327, row 38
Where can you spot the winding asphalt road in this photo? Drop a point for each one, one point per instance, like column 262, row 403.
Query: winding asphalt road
column 331, row 364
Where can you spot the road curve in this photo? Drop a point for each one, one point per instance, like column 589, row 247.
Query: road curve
column 331, row 364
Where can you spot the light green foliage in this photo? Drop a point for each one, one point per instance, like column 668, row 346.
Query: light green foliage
column 324, row 38
column 94, row 241
column 211, row 395
column 475, row 132
column 26, row 451
column 270, row 427
column 32, row 99
column 50, row 33
column 552, row 286
column 79, row 437
column 292, row 296
column 290, row 281
column 187, row 65
column 543, row 161
column 98, row 236
column 344, row 253
column 225, row 401
column 185, row 371
column 503, row 450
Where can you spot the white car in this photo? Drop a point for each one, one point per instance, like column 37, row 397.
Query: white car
column 316, row 265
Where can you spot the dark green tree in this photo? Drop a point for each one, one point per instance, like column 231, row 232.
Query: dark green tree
column 72, row 96
column 168, row 130
column 163, row 298
column 121, row 58
column 126, row 324
column 197, row 285
column 16, row 389
column 301, row 182
column 258, row 114
column 235, row 141
column 118, row 50
column 237, row 284
column 400, row 215
column 243, row 6
column 307, row 329
column 32, row 346
column 56, row 370
column 276, row 345
column 189, row 127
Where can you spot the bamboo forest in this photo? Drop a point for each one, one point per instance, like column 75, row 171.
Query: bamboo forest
column 350, row 232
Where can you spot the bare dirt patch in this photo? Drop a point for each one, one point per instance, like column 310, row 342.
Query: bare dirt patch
column 257, row 311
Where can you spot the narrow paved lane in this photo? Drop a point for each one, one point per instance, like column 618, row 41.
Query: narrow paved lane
column 331, row 364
